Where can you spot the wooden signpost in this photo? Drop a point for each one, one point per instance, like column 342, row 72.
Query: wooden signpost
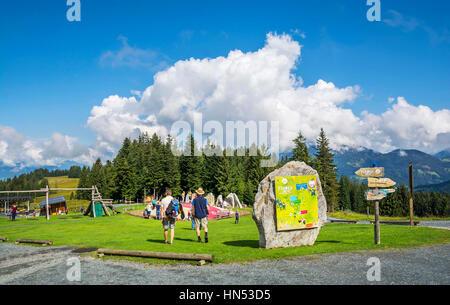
column 370, row 172
column 380, row 182
column 375, row 179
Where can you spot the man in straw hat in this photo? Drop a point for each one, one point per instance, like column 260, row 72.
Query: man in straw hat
column 200, row 211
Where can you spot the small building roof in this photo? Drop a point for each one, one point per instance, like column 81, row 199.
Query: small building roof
column 54, row 200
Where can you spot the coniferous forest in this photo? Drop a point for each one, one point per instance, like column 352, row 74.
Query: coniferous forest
column 150, row 165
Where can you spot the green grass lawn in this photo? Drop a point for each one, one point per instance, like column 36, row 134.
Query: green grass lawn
column 228, row 242
column 363, row 217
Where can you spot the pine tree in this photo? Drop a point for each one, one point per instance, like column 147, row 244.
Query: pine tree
column 300, row 151
column 344, row 193
column 190, row 166
column 124, row 179
column 171, row 178
column 327, row 170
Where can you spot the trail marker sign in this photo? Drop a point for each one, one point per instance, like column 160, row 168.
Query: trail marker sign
column 370, row 172
column 380, row 182
column 372, row 195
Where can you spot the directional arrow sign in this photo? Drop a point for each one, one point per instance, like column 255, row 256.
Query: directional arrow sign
column 380, row 182
column 387, row 191
column 370, row 172
column 375, row 195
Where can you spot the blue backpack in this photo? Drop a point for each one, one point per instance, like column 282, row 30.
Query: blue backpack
column 173, row 210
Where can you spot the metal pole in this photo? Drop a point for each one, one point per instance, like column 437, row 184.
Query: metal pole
column 46, row 202
column 377, row 222
column 411, row 200
column 93, row 202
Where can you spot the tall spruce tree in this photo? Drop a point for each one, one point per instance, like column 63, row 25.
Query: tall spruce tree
column 327, row 170
column 190, row 166
column 300, row 151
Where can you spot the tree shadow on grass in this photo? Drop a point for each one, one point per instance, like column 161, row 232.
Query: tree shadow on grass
column 243, row 243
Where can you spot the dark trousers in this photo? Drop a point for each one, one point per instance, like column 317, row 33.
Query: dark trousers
column 13, row 216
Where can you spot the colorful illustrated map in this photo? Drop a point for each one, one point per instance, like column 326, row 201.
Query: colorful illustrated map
column 297, row 206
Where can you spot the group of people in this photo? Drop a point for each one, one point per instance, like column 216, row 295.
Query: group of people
column 171, row 208
column 154, row 205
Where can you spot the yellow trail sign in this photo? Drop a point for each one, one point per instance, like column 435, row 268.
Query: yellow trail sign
column 370, row 172
column 380, row 182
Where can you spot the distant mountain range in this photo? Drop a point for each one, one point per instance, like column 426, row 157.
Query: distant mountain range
column 427, row 169
column 445, row 154
column 10, row 172
column 440, row 187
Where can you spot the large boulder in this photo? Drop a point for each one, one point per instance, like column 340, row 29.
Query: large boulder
column 232, row 200
column 264, row 212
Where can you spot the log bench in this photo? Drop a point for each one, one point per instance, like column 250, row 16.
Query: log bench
column 34, row 241
column 163, row 255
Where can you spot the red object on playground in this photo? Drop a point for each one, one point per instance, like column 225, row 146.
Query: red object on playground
column 213, row 211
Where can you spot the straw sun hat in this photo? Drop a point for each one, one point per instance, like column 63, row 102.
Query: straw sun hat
column 200, row 191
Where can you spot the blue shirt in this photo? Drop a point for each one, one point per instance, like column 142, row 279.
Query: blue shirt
column 199, row 204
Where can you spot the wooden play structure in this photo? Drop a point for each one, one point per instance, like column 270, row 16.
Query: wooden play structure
column 46, row 205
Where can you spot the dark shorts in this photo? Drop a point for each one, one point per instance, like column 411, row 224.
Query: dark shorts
column 169, row 223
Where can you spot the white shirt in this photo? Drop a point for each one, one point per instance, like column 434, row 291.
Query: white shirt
column 165, row 202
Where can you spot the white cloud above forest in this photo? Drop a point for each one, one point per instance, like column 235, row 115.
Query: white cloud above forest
column 263, row 85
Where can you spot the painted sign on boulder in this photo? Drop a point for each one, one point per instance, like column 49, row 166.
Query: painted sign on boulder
column 296, row 202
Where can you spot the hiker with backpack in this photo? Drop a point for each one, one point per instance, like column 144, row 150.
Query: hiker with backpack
column 200, row 212
column 171, row 209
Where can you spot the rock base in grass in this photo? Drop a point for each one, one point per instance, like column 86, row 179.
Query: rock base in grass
column 264, row 213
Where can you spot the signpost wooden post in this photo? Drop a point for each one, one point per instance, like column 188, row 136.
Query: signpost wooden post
column 375, row 179
column 377, row 222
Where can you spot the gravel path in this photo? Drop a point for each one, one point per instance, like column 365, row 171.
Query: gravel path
column 39, row 265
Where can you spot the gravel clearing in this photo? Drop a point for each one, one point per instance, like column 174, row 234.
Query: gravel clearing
column 37, row 265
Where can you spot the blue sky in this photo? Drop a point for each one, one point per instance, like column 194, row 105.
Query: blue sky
column 53, row 72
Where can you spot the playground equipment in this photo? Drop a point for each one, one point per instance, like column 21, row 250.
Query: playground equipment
column 98, row 205
column 96, row 197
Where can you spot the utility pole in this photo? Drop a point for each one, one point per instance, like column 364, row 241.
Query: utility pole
column 411, row 201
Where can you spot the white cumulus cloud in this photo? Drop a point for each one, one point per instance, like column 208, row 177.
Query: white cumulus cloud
column 262, row 86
